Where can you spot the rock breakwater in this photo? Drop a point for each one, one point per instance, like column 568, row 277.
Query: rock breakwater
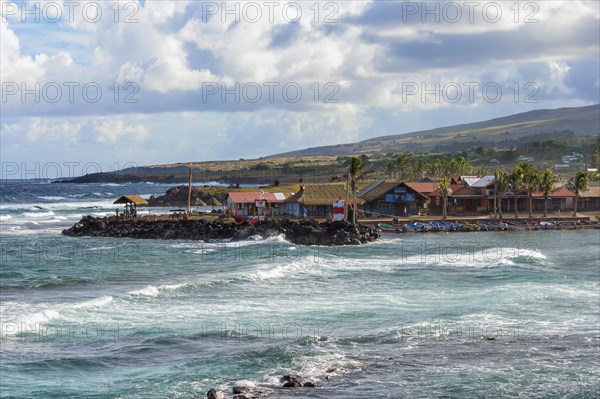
column 303, row 232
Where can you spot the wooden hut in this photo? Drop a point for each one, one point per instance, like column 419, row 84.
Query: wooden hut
column 392, row 198
column 131, row 203
column 316, row 200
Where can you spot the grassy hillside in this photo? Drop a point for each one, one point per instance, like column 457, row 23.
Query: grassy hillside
column 543, row 134
column 543, row 124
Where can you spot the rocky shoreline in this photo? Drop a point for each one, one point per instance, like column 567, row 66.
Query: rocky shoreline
column 304, row 232
column 245, row 392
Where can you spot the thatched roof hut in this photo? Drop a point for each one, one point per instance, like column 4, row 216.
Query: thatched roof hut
column 213, row 201
column 199, row 202
column 320, row 194
column 131, row 199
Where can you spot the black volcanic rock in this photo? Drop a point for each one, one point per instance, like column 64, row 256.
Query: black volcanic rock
column 297, row 232
column 215, row 394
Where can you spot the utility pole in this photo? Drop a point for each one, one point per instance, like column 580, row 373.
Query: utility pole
column 346, row 202
column 495, row 191
column 189, row 198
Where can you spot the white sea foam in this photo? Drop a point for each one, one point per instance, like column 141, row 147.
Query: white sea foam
column 28, row 322
column 58, row 206
column 51, row 197
column 171, row 286
column 466, row 257
column 5, row 217
column 149, row 290
column 101, row 248
column 186, row 245
column 201, row 251
column 20, row 231
column 313, row 368
column 153, row 291
column 94, row 303
column 36, row 215
column 289, row 269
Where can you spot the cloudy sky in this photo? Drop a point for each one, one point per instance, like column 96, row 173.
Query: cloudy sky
column 148, row 82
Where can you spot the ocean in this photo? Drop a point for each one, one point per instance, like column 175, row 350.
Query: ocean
column 446, row 315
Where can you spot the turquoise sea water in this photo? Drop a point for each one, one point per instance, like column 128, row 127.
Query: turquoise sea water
column 488, row 314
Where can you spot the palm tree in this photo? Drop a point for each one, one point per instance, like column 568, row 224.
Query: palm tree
column 444, row 168
column 390, row 169
column 436, row 167
column 420, row 169
column 463, row 166
column 546, row 185
column 502, row 186
column 453, row 165
column 446, row 191
column 401, row 164
column 516, row 184
column 356, row 165
column 579, row 184
column 531, row 182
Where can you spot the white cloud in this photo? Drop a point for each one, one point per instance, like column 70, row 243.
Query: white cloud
column 171, row 71
column 170, row 51
column 40, row 130
column 112, row 131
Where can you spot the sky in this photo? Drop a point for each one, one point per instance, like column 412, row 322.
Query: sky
column 120, row 83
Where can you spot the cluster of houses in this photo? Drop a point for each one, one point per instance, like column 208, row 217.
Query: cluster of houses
column 314, row 200
column 471, row 195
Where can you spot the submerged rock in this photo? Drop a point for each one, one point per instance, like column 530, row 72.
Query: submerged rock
column 292, row 384
column 304, row 232
column 240, row 390
column 215, row 394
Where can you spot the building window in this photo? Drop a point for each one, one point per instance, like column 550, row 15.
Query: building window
column 240, row 206
column 384, row 205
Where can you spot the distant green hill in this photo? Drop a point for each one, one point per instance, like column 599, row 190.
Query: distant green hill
column 541, row 124
column 322, row 163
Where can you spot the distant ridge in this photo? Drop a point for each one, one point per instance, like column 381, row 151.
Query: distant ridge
column 543, row 124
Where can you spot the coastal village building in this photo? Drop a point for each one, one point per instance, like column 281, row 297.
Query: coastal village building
column 256, row 203
column 463, row 199
column 589, row 200
column 464, row 179
column 315, row 200
column 391, row 198
column 485, row 186
column 559, row 199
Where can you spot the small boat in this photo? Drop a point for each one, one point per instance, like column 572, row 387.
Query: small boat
column 495, row 226
column 416, row 227
column 561, row 225
column 546, row 226
column 466, row 226
column 389, row 228
column 483, row 226
column 445, row 226
column 249, row 219
column 515, row 226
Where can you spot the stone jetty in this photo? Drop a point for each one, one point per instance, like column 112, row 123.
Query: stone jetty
column 303, row 232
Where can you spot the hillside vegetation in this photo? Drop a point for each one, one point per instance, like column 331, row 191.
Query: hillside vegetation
column 543, row 136
column 543, row 124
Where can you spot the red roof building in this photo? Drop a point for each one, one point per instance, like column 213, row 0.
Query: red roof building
column 255, row 202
